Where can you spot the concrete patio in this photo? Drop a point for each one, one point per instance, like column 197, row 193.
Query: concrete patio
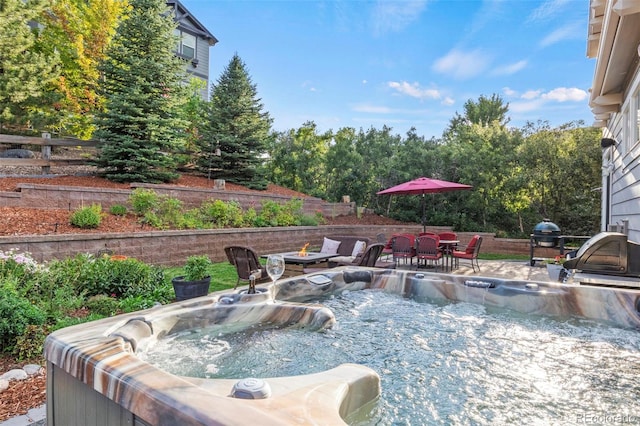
column 512, row 269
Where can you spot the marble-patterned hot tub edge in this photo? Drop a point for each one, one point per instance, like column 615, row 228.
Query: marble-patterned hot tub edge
column 101, row 354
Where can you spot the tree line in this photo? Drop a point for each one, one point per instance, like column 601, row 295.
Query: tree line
column 107, row 69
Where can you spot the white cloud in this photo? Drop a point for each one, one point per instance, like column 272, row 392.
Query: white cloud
column 509, row 92
column 462, row 65
column 568, row 32
column 448, row 101
column 364, row 82
column 525, row 106
column 510, row 68
column 393, row 16
column 547, row 10
column 371, row 109
column 414, row 90
column 531, row 94
column 536, row 99
column 309, row 86
column 379, row 109
column 566, row 94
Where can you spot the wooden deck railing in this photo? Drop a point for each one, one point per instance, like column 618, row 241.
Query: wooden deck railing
column 46, row 144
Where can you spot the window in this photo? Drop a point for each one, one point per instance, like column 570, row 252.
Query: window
column 186, row 44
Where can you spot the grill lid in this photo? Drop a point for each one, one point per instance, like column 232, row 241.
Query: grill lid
column 607, row 253
column 546, row 227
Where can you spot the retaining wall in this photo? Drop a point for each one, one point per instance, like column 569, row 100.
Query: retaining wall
column 73, row 197
column 170, row 248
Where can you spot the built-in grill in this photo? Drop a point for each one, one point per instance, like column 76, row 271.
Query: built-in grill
column 609, row 259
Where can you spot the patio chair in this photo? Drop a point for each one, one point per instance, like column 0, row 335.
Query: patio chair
column 470, row 252
column 245, row 261
column 402, row 249
column 371, row 258
column 428, row 250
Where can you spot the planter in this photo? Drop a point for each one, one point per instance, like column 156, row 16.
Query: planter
column 190, row 289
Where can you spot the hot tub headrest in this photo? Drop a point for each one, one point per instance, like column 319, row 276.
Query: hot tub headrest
column 353, row 276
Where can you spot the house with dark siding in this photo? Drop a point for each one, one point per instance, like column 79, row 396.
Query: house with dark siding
column 194, row 43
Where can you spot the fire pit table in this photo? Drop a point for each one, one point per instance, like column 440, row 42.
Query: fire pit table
column 297, row 262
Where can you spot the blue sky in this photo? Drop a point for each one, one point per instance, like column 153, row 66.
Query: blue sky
column 362, row 64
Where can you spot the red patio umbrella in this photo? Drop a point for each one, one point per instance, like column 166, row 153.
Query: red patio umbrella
column 423, row 185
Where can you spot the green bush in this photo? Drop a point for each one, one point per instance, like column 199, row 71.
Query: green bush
column 274, row 214
column 308, row 220
column 119, row 278
column 191, row 219
column 118, row 210
column 144, row 201
column 102, row 304
column 197, row 267
column 16, row 314
column 29, row 344
column 222, row 214
column 87, row 217
column 169, row 211
column 19, row 267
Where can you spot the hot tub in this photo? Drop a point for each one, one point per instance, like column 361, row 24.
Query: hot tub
column 96, row 378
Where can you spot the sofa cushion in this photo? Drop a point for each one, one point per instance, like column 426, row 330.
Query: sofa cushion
column 330, row 246
column 347, row 243
column 358, row 248
column 341, row 260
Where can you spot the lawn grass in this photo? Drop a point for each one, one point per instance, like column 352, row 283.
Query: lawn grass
column 223, row 275
column 500, row 256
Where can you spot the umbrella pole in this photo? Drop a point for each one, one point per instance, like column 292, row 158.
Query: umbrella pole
column 424, row 216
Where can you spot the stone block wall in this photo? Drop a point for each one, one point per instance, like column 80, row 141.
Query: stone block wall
column 73, row 197
column 171, row 248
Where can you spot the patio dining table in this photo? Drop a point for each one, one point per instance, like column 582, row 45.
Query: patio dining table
column 447, row 249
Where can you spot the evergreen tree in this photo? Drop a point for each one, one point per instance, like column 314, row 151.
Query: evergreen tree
column 235, row 138
column 143, row 95
column 24, row 72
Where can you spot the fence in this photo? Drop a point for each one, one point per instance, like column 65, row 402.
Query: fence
column 46, row 143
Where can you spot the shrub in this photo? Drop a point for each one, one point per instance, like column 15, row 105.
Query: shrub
column 274, row 214
column 169, row 211
column 191, row 219
column 87, row 217
column 143, row 201
column 308, row 220
column 118, row 210
column 152, row 219
column 222, row 214
column 102, row 304
column 29, row 344
column 197, row 267
column 91, row 276
column 19, row 267
column 16, row 314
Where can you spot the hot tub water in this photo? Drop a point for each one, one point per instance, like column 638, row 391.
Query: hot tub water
column 454, row 363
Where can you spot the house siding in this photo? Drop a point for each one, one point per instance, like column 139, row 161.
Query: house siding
column 614, row 35
column 199, row 67
column 624, row 191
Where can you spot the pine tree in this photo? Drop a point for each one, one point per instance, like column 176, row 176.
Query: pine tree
column 24, row 72
column 237, row 127
column 143, row 94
